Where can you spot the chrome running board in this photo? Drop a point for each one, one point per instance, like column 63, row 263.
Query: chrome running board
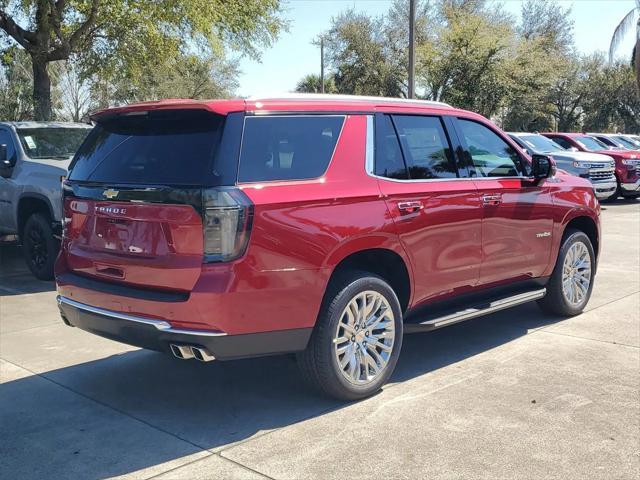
column 475, row 311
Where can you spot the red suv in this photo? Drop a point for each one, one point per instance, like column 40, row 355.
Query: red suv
column 627, row 161
column 321, row 225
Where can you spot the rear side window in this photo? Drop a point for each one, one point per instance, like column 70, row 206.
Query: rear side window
column 287, row 147
column 170, row 147
column 426, row 147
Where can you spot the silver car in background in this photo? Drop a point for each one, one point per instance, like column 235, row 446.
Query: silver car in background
column 616, row 140
column 598, row 168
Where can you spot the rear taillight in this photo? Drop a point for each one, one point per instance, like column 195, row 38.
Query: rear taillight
column 226, row 223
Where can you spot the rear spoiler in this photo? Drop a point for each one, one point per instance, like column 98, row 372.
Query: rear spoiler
column 219, row 107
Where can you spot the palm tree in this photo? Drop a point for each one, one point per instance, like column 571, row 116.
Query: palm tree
column 621, row 31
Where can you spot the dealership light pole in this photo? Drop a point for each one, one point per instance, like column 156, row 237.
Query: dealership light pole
column 412, row 49
column 322, row 64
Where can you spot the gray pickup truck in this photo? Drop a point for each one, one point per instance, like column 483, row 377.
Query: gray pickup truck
column 33, row 158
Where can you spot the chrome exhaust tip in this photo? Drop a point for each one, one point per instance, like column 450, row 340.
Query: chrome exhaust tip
column 183, row 352
column 202, row 354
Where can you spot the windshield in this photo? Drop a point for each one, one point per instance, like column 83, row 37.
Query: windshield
column 591, row 143
column 627, row 143
column 540, row 143
column 58, row 143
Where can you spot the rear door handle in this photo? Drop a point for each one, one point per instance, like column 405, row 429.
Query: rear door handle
column 410, row 207
column 491, row 199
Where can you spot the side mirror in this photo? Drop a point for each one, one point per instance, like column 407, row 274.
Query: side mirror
column 6, row 165
column 542, row 166
column 573, row 149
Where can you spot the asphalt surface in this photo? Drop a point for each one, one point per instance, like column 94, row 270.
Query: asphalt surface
column 512, row 395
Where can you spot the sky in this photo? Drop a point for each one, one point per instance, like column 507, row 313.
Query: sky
column 293, row 56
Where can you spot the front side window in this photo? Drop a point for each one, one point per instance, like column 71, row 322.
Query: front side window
column 58, row 143
column 425, row 145
column 288, row 147
column 491, row 156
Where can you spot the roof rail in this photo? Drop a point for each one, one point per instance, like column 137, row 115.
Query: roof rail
column 329, row 97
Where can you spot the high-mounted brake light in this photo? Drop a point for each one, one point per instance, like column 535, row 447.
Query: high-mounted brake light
column 226, row 223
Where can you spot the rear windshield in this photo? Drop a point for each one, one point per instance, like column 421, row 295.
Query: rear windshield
column 167, row 148
column 287, row 147
column 58, row 143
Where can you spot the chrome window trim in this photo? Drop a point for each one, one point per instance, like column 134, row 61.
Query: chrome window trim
column 370, row 163
column 161, row 325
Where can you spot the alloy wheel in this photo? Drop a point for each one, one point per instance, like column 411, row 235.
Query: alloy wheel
column 576, row 274
column 364, row 337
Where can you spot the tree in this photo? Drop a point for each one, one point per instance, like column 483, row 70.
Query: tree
column 74, row 92
column 129, row 36
column 465, row 63
column 15, row 85
column 621, row 31
column 311, row 84
column 356, row 52
column 550, row 23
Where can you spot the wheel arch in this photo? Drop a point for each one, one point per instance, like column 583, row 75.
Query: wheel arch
column 384, row 262
column 30, row 203
column 585, row 224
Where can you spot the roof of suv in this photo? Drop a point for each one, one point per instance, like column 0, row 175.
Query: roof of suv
column 282, row 103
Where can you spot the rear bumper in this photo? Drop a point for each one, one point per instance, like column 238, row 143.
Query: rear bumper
column 155, row 334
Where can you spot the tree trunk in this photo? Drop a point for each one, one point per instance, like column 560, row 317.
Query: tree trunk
column 41, row 90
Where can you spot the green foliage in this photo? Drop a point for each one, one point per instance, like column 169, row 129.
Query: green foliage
column 15, row 85
column 311, row 84
column 121, row 40
column 524, row 74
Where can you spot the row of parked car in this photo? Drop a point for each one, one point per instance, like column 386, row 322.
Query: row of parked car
column 610, row 161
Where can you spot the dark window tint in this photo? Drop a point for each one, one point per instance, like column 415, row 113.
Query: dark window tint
column 5, row 139
column 562, row 142
column 490, row 154
column 287, row 148
column 169, row 147
column 425, row 145
column 389, row 161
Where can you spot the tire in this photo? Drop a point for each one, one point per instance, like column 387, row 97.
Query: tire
column 560, row 300
column 39, row 246
column 320, row 362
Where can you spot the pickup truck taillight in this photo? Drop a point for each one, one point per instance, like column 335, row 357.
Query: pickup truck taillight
column 226, row 223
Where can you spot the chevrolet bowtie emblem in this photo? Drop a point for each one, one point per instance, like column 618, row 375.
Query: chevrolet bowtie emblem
column 110, row 193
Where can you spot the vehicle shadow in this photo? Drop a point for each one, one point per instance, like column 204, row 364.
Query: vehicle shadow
column 15, row 277
column 206, row 406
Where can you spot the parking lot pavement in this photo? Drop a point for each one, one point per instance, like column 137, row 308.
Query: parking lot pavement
column 513, row 395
